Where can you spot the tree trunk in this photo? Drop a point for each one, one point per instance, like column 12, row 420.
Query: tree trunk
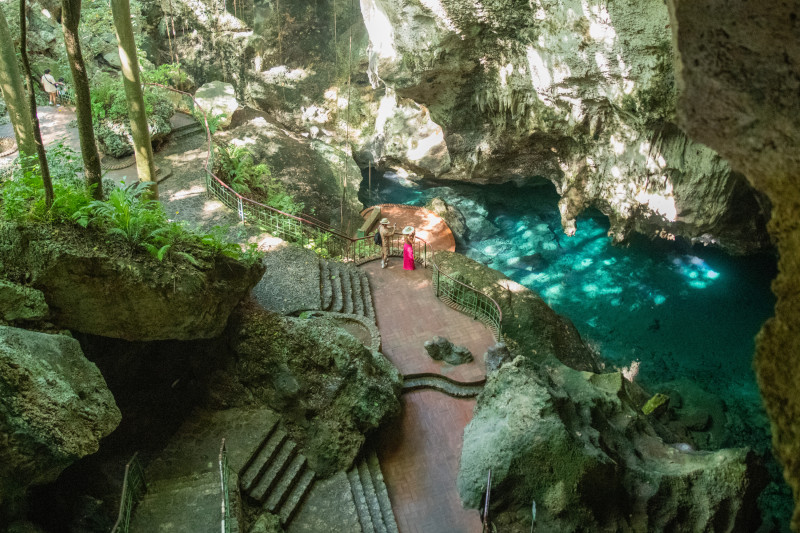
column 145, row 166
column 70, row 18
column 14, row 92
column 37, row 134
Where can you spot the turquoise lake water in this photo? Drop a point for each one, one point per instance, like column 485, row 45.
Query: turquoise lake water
column 682, row 311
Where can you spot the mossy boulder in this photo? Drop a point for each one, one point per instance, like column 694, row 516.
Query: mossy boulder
column 218, row 99
column 94, row 285
column 21, row 303
column 54, row 408
column 114, row 131
column 330, row 388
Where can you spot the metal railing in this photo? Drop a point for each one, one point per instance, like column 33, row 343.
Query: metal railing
column 225, row 502
column 333, row 245
column 133, row 488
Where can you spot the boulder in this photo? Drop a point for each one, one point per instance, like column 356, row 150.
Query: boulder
column 21, row 303
column 573, row 442
column 218, row 99
column 93, row 286
column 311, row 171
column 441, row 349
column 54, row 408
column 452, row 216
column 496, row 356
column 329, row 387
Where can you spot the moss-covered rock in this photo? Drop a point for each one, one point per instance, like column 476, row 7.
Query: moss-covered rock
column 54, row 408
column 529, row 326
column 92, row 285
column 18, row 302
column 114, row 130
column 329, row 387
column 576, row 444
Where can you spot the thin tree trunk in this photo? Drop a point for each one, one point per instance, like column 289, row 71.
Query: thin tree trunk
column 37, row 134
column 145, row 166
column 14, row 92
column 70, row 19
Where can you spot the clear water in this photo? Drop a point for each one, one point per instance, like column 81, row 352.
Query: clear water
column 681, row 311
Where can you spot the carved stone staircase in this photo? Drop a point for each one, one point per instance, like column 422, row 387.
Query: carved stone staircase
column 371, row 498
column 345, row 289
column 276, row 476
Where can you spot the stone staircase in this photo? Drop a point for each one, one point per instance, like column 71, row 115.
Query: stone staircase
column 186, row 130
column 371, row 498
column 276, row 476
column 345, row 289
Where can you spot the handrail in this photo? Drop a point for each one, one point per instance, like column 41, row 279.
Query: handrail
column 133, row 487
column 334, row 245
column 225, row 503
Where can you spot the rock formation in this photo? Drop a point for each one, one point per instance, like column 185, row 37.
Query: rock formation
column 93, row 287
column 574, row 443
column 739, row 95
column 54, row 409
column 21, row 303
column 581, row 94
column 217, row 99
column 328, row 386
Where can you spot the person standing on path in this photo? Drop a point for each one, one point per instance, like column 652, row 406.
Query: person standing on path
column 49, row 83
column 386, row 240
column 409, row 233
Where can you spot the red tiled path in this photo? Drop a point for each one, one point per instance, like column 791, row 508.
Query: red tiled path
column 430, row 226
column 420, row 453
column 419, row 458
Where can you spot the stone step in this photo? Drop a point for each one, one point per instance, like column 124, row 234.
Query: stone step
column 347, row 290
column 358, row 294
column 375, row 472
column 366, row 291
column 362, row 508
column 262, row 457
column 181, row 504
column 296, row 496
column 326, row 290
column 186, row 130
column 337, row 304
column 270, row 478
column 371, row 498
column 285, row 484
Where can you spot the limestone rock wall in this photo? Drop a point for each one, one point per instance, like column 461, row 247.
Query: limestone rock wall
column 54, row 409
column 580, row 93
column 739, row 73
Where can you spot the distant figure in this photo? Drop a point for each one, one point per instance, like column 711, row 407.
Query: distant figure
column 409, row 233
column 50, row 86
column 63, row 97
column 386, row 240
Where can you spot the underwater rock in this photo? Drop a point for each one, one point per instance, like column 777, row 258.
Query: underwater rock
column 452, row 216
column 54, row 408
column 441, row 349
column 18, row 302
column 217, row 99
column 657, row 405
column 93, row 286
column 330, row 389
column 695, row 412
column 574, row 443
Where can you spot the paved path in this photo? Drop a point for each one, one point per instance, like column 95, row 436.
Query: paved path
column 419, row 455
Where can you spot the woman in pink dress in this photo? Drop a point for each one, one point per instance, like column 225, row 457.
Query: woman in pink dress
column 408, row 248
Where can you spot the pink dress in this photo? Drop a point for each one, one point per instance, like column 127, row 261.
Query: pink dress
column 408, row 256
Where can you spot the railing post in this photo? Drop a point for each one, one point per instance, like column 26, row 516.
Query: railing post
column 241, row 208
column 438, row 279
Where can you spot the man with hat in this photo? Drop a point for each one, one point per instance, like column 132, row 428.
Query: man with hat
column 386, row 235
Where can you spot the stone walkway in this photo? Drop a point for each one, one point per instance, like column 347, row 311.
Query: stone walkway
column 419, row 456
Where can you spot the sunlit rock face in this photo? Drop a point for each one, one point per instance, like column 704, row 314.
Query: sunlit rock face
column 740, row 95
column 581, row 93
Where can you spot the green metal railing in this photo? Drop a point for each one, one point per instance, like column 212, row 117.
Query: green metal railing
column 225, row 503
column 329, row 243
column 133, row 488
